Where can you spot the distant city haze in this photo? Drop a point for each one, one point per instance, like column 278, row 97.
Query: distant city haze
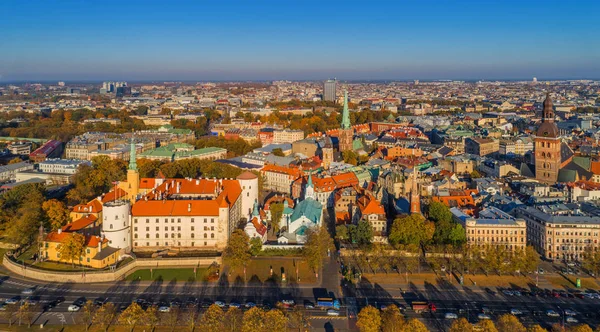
column 298, row 40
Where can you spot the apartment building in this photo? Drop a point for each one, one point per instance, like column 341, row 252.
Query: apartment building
column 279, row 178
column 493, row 227
column 287, row 136
column 481, row 146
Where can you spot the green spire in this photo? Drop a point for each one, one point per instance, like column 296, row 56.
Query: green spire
column 310, row 183
column 346, row 114
column 255, row 209
column 132, row 161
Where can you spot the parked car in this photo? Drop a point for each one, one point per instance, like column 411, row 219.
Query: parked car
column 234, row 305
column 570, row 312
column 572, row 320
column 516, row 312
column 483, row 316
column 332, row 312
column 28, row 291
column 13, row 300
column 73, row 308
column 450, row 315
column 249, row 304
column 552, row 313
column 309, row 305
column 220, row 304
column 164, row 309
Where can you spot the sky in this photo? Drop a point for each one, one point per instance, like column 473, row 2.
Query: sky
column 206, row 40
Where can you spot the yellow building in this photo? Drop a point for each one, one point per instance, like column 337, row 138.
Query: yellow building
column 96, row 254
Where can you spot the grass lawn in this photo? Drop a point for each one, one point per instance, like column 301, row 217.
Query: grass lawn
column 499, row 281
column 184, row 274
column 259, row 270
column 561, row 282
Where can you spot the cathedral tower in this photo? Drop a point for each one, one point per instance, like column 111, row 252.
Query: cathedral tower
column 346, row 132
column 547, row 146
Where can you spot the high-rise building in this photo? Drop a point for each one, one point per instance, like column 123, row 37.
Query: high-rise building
column 547, row 146
column 346, row 132
column 329, row 90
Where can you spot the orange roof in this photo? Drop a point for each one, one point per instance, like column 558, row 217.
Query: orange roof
column 345, row 179
column 369, row 205
column 114, row 195
column 90, row 241
column 342, row 216
column 259, row 226
column 147, row 183
column 595, row 167
column 93, row 206
column 80, row 223
column 247, row 176
column 293, row 172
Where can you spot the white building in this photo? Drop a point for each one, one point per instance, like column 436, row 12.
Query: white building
column 62, row 166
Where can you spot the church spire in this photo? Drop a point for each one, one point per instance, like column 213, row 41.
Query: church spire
column 415, row 199
column 132, row 157
column 309, row 192
column 346, row 114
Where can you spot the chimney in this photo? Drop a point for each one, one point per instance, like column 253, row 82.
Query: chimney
column 99, row 244
column 189, row 207
column 59, row 231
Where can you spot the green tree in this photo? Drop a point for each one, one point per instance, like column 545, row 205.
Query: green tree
column 255, row 246
column 439, row 212
column 237, row 252
column 509, row 323
column 276, row 215
column 278, row 152
column 363, row 234
column 212, row 319
column 461, row 325
column 412, row 229
column 72, row 248
column 341, row 232
column 369, row 319
column 131, row 316
column 475, row 174
column 233, row 320
column 392, row 320
column 591, row 261
column 28, row 215
column 318, row 243
column 105, row 315
column 57, row 213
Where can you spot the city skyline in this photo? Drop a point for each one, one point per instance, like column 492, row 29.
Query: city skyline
column 309, row 41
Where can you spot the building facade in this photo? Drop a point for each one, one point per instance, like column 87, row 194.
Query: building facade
column 547, row 146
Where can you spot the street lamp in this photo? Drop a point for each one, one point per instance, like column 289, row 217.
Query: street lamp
column 563, row 316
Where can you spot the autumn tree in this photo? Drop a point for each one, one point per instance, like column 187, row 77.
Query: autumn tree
column 298, row 319
column 580, row 328
column 392, row 320
column 591, row 261
column 212, row 319
column 15, row 161
column 275, row 320
column 131, row 316
column 105, row 315
column 318, row 244
column 341, row 232
column 27, row 313
column 278, row 152
column 536, row 328
column 369, row 319
column 461, row 325
column 87, row 313
column 72, row 248
column 254, row 320
column 276, row 215
column 151, row 318
column 237, row 252
column 24, row 214
column 233, row 319
column 171, row 318
column 486, row 325
column 415, row 325
column 8, row 313
column 509, row 323
column 57, row 213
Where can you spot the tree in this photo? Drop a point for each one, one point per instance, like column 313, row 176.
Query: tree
column 24, row 213
column 350, row 157
column 212, row 319
column 276, row 214
column 457, row 235
column 275, row 320
column 369, row 319
column 131, row 316
column 363, row 234
column 392, row 320
column 172, row 317
column 233, row 319
column 151, row 317
column 299, row 319
column 255, row 246
column 278, row 152
column 341, row 232
column 439, row 212
column 461, row 325
column 531, row 259
column 253, row 320
column 412, row 229
column 8, row 313
column 237, row 252
column 487, row 325
column 27, row 313
column 87, row 313
column 318, row 244
column 15, row 161
column 415, row 325
column 72, row 247
column 509, row 323
column 57, row 213
column 580, row 328
column 591, row 261
column 536, row 328
column 104, row 316
column 558, row 327
column 475, row 174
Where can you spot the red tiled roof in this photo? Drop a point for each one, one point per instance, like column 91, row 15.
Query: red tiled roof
column 114, row 195
column 259, row 226
column 90, row 241
column 80, row 223
column 93, row 206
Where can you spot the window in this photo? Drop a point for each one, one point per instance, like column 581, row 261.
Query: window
column 166, row 235
column 135, row 221
column 192, row 244
column 205, row 220
column 147, row 221
column 157, row 235
column 205, row 236
column 116, row 217
column 148, row 236
column 178, row 228
column 166, row 228
column 192, row 219
column 172, row 228
column 179, row 220
column 212, row 235
column 135, row 236
column 192, row 228
column 147, row 229
column 157, row 220
column 192, row 237
column 157, row 228
column 212, row 228
column 179, row 235
column 212, row 220
column 111, row 226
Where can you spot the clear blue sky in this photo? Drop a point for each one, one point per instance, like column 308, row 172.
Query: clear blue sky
column 303, row 39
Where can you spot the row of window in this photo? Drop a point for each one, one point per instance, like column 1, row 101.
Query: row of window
column 206, row 228
column 496, row 239
column 573, row 233
column 135, row 220
column 192, row 235
column 495, row 231
column 167, row 244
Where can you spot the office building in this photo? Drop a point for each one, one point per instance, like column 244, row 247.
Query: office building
column 329, row 90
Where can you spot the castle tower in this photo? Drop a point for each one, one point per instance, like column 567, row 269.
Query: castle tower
column 133, row 176
column 249, row 183
column 346, row 131
column 327, row 152
column 415, row 197
column 547, row 146
column 116, row 224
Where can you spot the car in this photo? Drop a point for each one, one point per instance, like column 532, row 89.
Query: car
column 332, row 312
column 234, row 304
column 220, row 304
column 191, row 302
column 552, row 313
column 79, row 302
column 73, row 308
column 572, row 320
column 508, row 292
column 288, row 303
column 451, row 315
column 541, row 271
column 28, row 291
column 13, row 300
column 100, row 301
column 32, row 300
column 516, row 312
column 570, row 312
column 249, row 304
column 489, row 291
column 517, row 293
column 483, row 316
column 309, row 305
column 164, row 308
